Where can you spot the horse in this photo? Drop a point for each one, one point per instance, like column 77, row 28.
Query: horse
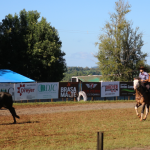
column 142, row 98
column 7, row 102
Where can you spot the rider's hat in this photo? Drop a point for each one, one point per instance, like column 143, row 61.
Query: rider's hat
column 143, row 68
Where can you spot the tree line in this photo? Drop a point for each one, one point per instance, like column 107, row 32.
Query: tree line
column 31, row 46
column 79, row 71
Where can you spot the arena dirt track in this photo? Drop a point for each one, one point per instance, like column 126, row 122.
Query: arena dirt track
column 44, row 109
column 49, row 108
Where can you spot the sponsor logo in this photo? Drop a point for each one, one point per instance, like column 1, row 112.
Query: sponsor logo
column 93, row 94
column 126, row 86
column 22, row 89
column 92, row 90
column 123, row 86
column 112, row 88
column 91, row 85
column 68, row 92
column 127, row 90
column 130, row 87
column 69, row 84
column 47, row 87
column 3, row 90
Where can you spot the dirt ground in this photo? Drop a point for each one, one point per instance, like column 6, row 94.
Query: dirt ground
column 146, row 148
column 43, row 109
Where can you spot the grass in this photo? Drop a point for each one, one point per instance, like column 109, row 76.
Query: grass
column 74, row 130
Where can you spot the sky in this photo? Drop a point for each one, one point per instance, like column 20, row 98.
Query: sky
column 79, row 23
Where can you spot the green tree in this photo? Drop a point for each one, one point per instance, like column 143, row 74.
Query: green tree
column 79, row 71
column 31, row 47
column 120, row 46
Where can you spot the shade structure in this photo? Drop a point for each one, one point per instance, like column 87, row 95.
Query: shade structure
column 10, row 76
column 89, row 78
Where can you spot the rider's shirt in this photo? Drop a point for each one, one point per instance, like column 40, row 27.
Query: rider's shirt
column 144, row 76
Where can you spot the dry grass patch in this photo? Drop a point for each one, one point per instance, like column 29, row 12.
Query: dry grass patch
column 74, row 130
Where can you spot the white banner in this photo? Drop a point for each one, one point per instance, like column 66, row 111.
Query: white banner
column 25, row 91
column 7, row 87
column 110, row 89
column 48, row 90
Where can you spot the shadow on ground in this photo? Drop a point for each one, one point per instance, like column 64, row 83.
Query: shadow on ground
column 20, row 122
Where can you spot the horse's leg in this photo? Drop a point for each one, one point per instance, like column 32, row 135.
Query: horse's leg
column 13, row 112
column 136, row 109
column 147, row 110
column 142, row 111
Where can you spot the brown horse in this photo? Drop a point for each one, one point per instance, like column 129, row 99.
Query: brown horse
column 142, row 97
column 7, row 102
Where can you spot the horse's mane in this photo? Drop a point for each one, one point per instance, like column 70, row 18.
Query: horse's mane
column 141, row 89
column 137, row 78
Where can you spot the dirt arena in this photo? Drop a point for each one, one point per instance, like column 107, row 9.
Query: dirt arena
column 43, row 109
column 49, row 109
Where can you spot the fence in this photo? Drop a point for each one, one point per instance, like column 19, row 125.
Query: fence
column 57, row 91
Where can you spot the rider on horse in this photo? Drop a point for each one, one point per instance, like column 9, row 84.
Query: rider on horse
column 144, row 76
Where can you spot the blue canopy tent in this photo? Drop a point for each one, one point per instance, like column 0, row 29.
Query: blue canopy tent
column 13, row 77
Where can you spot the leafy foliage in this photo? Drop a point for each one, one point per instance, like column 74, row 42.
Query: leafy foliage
column 120, row 47
column 31, row 47
column 79, row 71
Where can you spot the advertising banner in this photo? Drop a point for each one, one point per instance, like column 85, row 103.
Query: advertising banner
column 92, row 89
column 25, row 91
column 48, row 90
column 68, row 89
column 110, row 89
column 126, row 89
column 6, row 87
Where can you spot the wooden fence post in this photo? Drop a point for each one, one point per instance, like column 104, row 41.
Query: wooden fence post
column 51, row 100
column 128, row 97
column 99, row 140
